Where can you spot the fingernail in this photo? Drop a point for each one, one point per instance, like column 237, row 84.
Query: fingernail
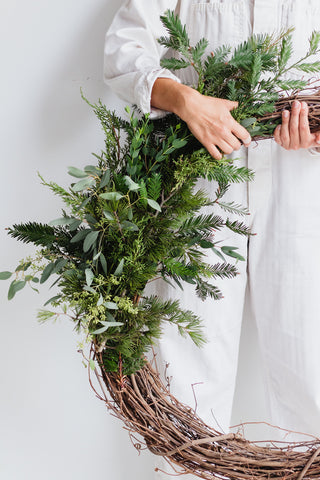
column 296, row 104
column 318, row 141
column 285, row 113
column 304, row 105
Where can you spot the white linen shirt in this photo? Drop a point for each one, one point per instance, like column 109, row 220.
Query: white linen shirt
column 132, row 53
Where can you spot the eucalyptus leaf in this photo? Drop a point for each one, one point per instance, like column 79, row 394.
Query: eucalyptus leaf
column 90, row 240
column 52, row 299
column 83, row 184
column 81, row 235
column 89, row 276
column 92, row 169
column 133, row 186
column 108, row 215
column 129, row 226
column 119, row 268
column 153, row 204
column 105, row 327
column 103, row 262
column 105, row 180
column 113, row 196
column 76, row 172
column 5, row 275
column 61, row 221
column 48, row 270
column 111, row 305
column 15, row 286
column 100, row 301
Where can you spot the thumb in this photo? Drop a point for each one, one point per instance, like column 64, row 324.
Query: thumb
column 317, row 138
column 232, row 105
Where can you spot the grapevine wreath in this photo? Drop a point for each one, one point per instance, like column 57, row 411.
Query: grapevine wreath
column 135, row 216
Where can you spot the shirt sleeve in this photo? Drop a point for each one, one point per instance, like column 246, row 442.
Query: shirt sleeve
column 132, row 54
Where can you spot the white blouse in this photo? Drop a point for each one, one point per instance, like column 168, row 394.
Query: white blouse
column 132, row 53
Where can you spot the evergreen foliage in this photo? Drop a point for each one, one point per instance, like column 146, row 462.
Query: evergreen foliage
column 133, row 217
column 254, row 73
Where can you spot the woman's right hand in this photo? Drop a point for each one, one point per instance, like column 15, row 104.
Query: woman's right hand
column 208, row 118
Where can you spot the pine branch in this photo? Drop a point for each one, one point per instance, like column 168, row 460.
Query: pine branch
column 33, row 232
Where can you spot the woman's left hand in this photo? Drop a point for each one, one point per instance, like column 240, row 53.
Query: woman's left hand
column 294, row 132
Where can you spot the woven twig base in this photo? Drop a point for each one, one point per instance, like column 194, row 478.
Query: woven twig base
column 173, row 430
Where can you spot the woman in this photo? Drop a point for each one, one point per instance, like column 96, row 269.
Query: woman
column 280, row 280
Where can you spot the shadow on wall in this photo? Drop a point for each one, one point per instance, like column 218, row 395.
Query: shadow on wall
column 63, row 115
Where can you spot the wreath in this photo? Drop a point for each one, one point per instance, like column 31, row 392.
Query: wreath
column 136, row 216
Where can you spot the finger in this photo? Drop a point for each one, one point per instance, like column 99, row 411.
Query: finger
column 231, row 105
column 241, row 133
column 232, row 141
column 276, row 134
column 304, row 129
column 225, row 146
column 214, row 152
column 284, row 132
column 294, row 125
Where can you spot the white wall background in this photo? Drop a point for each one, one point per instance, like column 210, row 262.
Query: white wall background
column 51, row 425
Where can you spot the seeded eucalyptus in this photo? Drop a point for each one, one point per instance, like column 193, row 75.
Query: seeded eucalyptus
column 129, row 219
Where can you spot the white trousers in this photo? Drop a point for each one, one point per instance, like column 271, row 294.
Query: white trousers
column 282, row 281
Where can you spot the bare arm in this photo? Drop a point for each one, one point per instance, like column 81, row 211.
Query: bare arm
column 208, row 118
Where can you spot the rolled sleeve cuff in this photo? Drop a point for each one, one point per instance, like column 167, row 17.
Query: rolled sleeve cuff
column 144, row 87
column 315, row 151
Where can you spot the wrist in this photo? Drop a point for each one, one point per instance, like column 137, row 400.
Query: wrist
column 170, row 95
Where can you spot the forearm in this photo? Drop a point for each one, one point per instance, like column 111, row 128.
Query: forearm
column 169, row 95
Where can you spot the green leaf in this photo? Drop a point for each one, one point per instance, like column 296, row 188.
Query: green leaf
column 89, row 276
column 52, row 299
column 219, row 254
column 90, row 240
column 49, row 269
column 113, row 196
column 92, row 364
column 153, row 204
column 119, row 268
column 103, row 262
column 89, row 289
column 81, row 235
column 247, row 122
column 83, row 184
column 74, row 225
column 105, row 327
column 111, row 305
column 95, row 258
column 5, row 275
column 59, row 264
column 130, row 214
column 92, row 169
column 105, row 180
column 179, row 143
column 230, row 252
column 76, row 172
column 15, row 286
column 205, row 244
column 133, row 186
column 129, row 226
column 62, row 221
column 108, row 215
column 100, row 301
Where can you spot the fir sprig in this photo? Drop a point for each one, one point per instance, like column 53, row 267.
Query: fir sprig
column 254, row 73
column 131, row 218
